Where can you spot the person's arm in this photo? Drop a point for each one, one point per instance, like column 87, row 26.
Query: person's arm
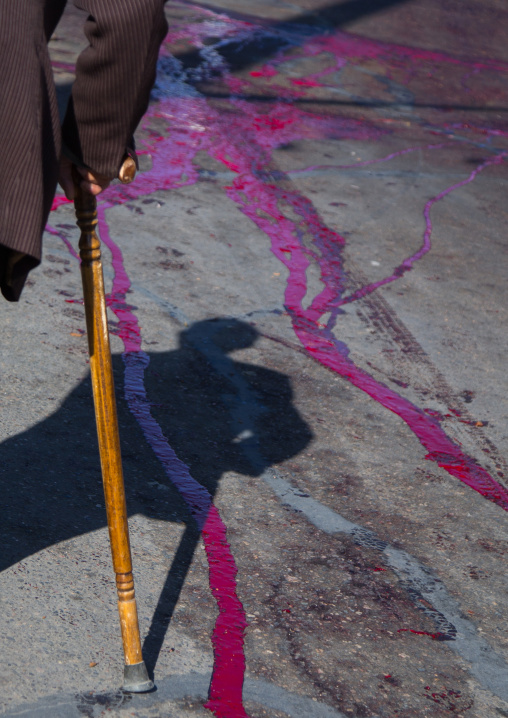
column 114, row 76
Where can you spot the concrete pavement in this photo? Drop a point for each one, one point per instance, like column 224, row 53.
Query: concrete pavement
column 308, row 279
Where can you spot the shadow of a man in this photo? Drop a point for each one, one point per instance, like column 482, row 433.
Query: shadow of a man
column 218, row 414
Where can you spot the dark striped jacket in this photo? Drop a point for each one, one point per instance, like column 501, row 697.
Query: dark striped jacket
column 114, row 76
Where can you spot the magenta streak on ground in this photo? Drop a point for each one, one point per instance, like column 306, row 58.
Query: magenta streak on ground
column 266, row 71
column 285, row 235
column 312, row 80
column 261, row 202
column 59, row 200
column 343, row 45
column 225, row 695
column 408, row 263
column 346, row 45
column 225, row 699
column 435, row 636
column 243, row 142
column 196, row 126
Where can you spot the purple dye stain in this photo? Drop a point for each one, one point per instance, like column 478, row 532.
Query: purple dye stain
column 244, row 141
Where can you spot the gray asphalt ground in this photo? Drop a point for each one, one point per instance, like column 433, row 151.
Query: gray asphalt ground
column 373, row 579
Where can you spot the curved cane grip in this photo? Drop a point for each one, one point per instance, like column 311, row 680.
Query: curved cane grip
column 127, row 171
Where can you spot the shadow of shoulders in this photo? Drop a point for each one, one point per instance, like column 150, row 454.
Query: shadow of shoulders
column 218, row 415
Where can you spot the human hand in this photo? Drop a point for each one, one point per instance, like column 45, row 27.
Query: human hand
column 90, row 182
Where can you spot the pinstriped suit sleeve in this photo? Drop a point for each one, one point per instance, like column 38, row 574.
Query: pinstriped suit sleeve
column 114, row 76
column 29, row 137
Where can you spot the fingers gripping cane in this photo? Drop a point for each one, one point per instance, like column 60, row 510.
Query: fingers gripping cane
column 136, row 678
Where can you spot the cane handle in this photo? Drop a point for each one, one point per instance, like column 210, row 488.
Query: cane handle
column 127, row 171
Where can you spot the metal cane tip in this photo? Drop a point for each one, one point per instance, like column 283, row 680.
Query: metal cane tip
column 136, row 680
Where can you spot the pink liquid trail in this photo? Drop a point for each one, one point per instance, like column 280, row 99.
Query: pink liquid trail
column 435, row 636
column 350, row 48
column 347, row 45
column 59, row 200
column 441, row 448
column 225, row 697
column 231, row 151
column 173, row 168
column 252, row 196
column 224, row 138
column 407, row 264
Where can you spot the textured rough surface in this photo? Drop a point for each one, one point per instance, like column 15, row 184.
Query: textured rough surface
column 311, row 291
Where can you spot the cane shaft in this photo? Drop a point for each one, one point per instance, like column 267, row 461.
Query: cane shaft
column 107, row 423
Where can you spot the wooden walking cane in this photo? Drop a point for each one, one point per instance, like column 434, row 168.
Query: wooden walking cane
column 136, row 678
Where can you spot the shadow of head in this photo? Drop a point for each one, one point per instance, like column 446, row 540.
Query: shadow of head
column 243, row 411
column 227, row 335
